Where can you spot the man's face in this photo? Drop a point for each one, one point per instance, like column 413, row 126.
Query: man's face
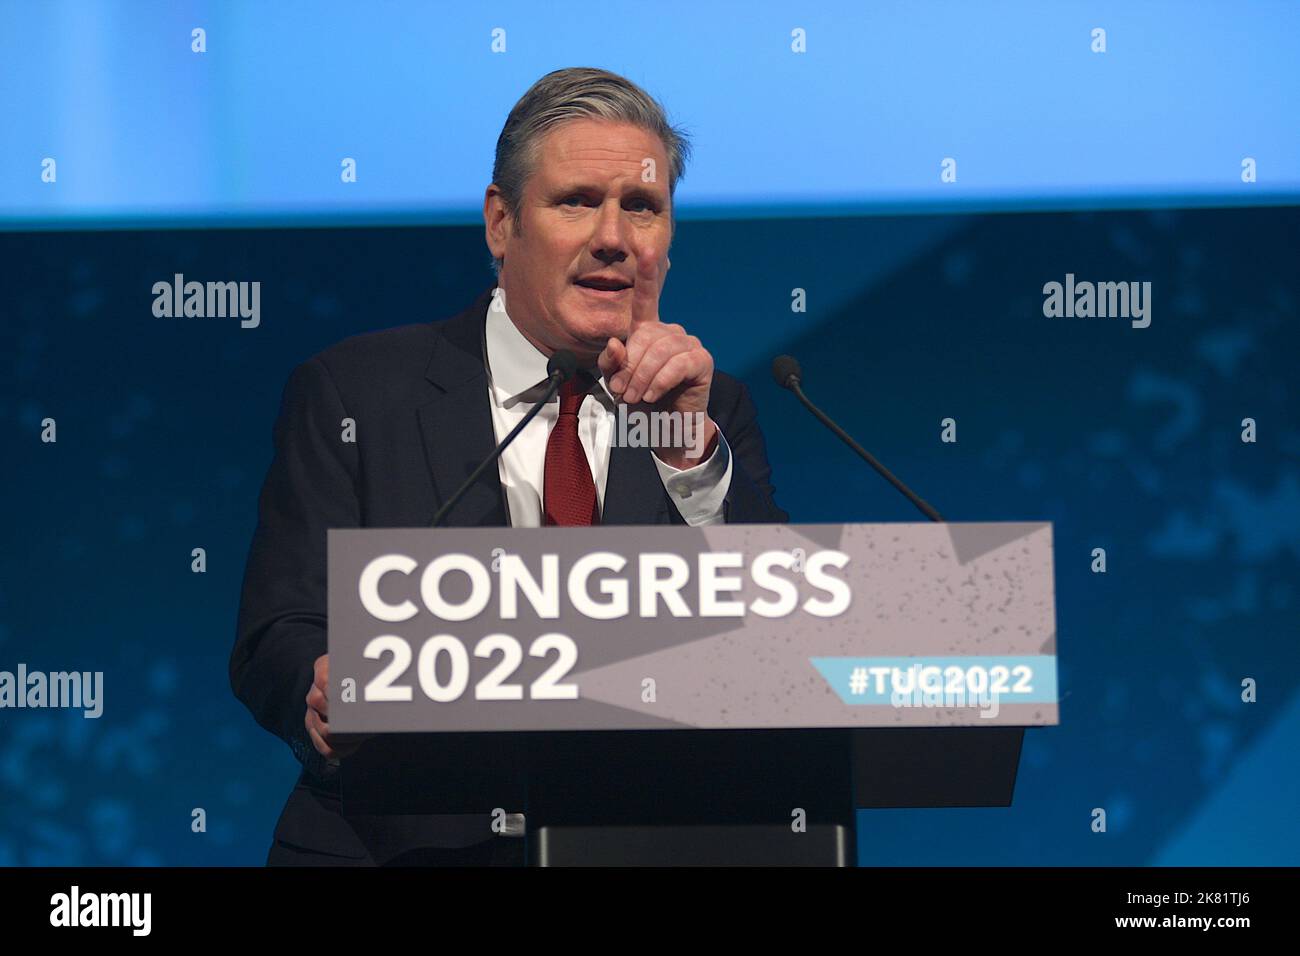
column 586, row 217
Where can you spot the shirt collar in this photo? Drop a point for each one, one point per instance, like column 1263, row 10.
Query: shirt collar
column 516, row 369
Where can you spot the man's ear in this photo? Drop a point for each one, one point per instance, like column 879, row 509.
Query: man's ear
column 496, row 221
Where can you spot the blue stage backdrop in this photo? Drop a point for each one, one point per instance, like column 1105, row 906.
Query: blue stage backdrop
column 1129, row 439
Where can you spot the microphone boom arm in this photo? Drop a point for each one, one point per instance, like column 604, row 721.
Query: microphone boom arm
column 792, row 383
column 559, row 370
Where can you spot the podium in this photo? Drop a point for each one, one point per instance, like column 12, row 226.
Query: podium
column 828, row 774
column 902, row 673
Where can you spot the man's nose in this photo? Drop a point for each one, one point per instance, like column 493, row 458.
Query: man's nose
column 608, row 242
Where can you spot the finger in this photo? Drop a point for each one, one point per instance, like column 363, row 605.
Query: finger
column 319, row 724
column 318, row 702
column 653, row 360
column 317, row 737
column 639, row 342
column 684, row 368
column 645, row 291
column 611, row 360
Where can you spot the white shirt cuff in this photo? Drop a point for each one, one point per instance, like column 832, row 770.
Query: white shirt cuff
column 699, row 492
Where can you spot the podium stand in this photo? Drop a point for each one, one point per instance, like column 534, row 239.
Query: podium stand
column 736, row 808
column 693, row 740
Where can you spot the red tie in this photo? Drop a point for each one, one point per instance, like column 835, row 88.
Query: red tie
column 568, row 492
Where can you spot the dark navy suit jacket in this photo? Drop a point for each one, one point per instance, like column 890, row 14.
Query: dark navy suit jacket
column 419, row 397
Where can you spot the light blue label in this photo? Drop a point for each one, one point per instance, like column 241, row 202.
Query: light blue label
column 940, row 681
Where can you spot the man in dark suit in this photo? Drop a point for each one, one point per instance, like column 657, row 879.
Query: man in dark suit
column 381, row 429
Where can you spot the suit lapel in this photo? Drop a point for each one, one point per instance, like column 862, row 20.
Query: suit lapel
column 456, row 427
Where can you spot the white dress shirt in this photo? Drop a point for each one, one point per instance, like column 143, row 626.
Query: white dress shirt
column 517, row 378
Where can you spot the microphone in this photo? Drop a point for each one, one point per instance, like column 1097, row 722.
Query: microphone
column 562, row 364
column 559, row 369
column 786, row 371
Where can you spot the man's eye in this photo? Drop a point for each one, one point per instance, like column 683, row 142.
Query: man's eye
column 571, row 201
column 640, row 205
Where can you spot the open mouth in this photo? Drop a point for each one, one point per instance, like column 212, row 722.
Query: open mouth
column 603, row 285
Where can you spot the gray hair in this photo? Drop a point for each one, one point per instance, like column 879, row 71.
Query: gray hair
column 578, row 92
